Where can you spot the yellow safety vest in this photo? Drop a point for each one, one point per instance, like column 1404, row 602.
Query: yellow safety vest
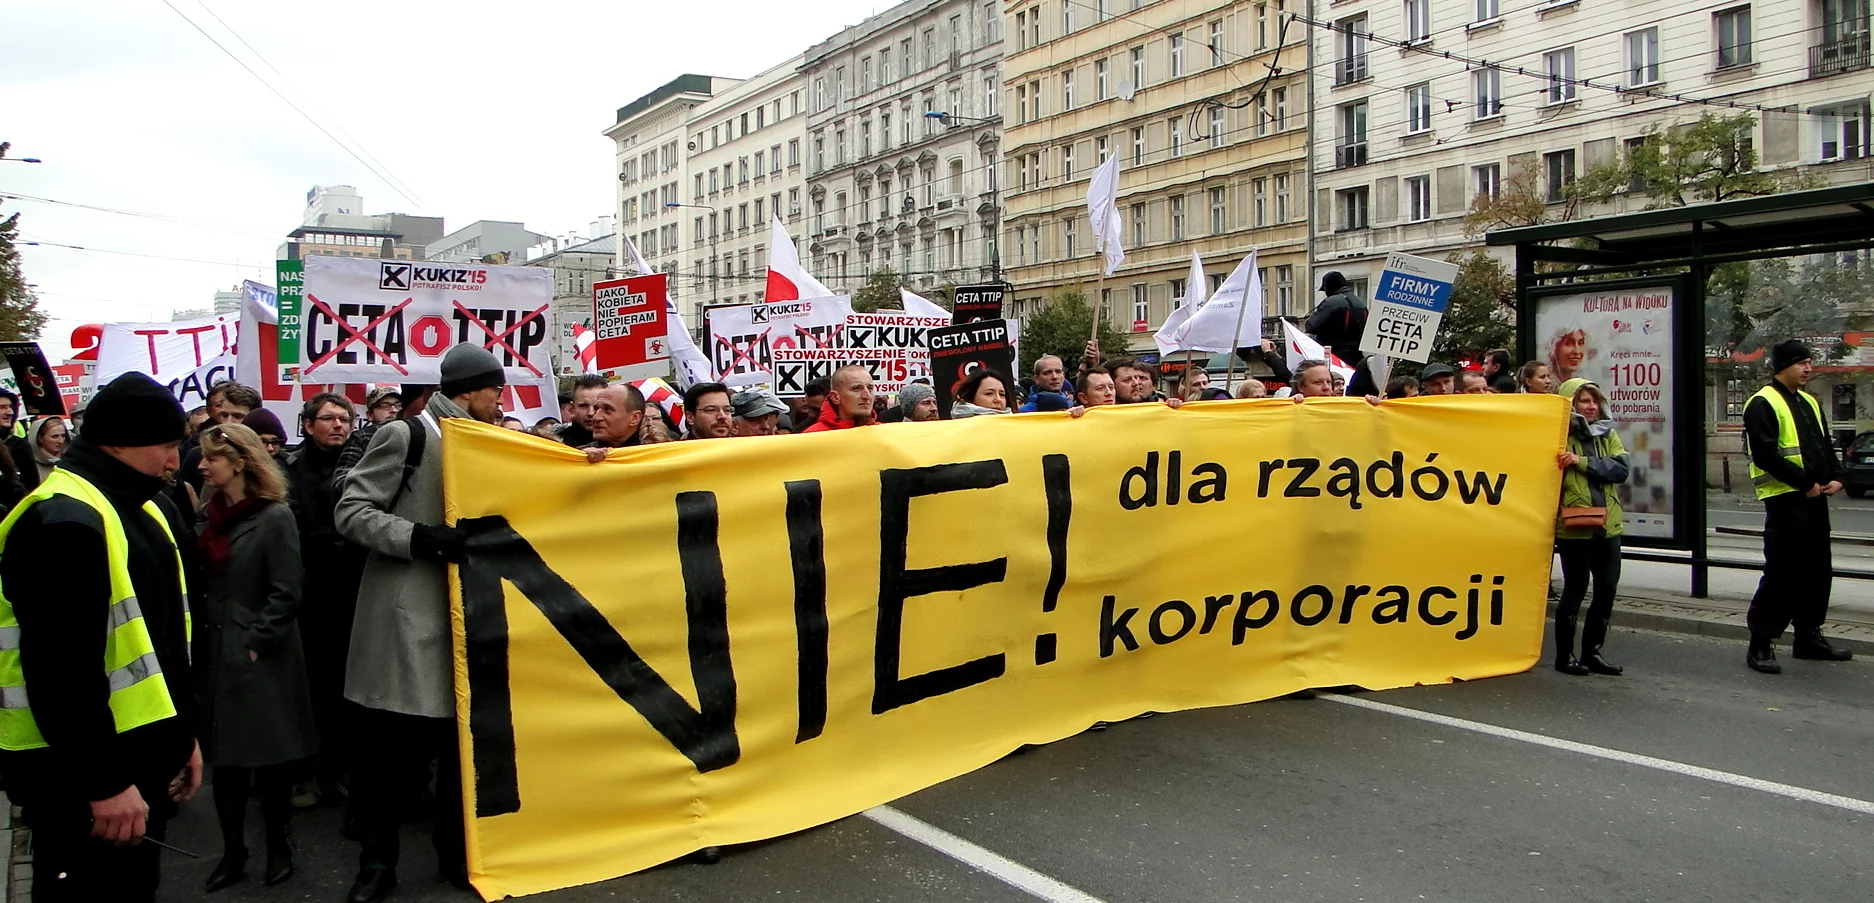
column 139, row 693
column 1788, row 441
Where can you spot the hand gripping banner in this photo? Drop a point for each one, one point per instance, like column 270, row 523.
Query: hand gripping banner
column 705, row 643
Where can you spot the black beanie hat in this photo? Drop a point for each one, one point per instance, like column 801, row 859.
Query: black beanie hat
column 134, row 411
column 1788, row 354
column 468, row 368
column 1332, row 281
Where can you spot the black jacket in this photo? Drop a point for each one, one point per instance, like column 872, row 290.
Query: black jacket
column 57, row 575
column 1819, row 464
column 1338, row 323
column 311, row 495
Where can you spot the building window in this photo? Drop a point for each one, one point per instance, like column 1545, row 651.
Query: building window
column 1174, row 136
column 1100, row 148
column 1259, row 202
column 1488, row 179
column 1560, row 65
column 1067, row 90
column 1177, row 217
column 1219, row 213
column 1138, row 146
column 1262, row 116
column 1034, row 27
column 1350, row 149
column 1419, row 108
column 1284, row 290
column 1034, row 98
column 1067, row 162
column 1021, row 103
column 1218, row 133
column 793, row 152
column 1351, row 65
column 1021, row 31
column 1141, row 305
column 1733, row 37
column 1067, row 237
column 1281, row 198
column 1843, row 130
column 1486, row 10
column 1642, row 57
column 991, row 92
column 1418, row 16
column 1176, row 50
column 1418, row 198
column 1560, row 169
column 1067, row 17
column 1138, row 68
column 1487, row 93
column 1138, row 225
column 1353, row 208
column 1100, row 80
column 1281, row 109
column 1216, row 43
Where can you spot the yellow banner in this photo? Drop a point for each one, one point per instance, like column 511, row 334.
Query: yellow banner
column 708, row 643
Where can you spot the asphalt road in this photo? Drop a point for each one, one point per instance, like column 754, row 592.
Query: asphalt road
column 1337, row 799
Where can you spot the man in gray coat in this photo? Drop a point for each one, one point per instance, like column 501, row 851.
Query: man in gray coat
column 401, row 666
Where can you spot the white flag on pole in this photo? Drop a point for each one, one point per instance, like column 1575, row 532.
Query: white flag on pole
column 644, row 269
column 1300, row 347
column 1103, row 209
column 1171, row 334
column 1232, row 318
column 919, row 306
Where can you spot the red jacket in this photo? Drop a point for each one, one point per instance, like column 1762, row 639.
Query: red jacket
column 829, row 420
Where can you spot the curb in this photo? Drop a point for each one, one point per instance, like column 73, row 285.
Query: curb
column 1722, row 623
column 1845, row 539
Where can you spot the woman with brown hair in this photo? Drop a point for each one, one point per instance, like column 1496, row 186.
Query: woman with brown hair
column 250, row 667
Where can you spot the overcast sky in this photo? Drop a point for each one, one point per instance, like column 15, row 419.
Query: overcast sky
column 483, row 110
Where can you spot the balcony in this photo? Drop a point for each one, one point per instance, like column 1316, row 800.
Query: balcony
column 1845, row 54
column 1348, row 70
column 1350, row 154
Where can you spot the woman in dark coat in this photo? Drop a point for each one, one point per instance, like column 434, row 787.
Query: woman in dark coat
column 250, row 666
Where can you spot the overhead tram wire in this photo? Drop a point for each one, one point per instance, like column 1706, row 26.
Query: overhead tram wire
column 388, row 181
column 229, row 228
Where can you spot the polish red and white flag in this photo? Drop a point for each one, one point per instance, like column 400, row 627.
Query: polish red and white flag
column 787, row 279
column 586, row 348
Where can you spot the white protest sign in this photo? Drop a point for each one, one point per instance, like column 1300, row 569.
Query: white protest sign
column 743, row 339
column 188, row 356
column 891, row 368
column 1408, row 305
column 391, row 321
column 892, row 329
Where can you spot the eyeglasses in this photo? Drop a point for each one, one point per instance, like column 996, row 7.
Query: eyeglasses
column 717, row 409
column 272, row 441
column 332, row 418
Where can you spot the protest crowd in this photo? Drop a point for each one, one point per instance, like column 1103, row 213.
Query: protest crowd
column 277, row 618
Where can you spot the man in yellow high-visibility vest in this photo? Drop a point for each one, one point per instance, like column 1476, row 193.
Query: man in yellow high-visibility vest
column 1794, row 469
column 97, row 718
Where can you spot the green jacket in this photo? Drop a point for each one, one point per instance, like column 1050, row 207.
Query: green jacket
column 1603, row 465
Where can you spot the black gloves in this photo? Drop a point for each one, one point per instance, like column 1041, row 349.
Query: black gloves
column 437, row 542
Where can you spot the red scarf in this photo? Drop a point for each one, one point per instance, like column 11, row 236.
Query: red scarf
column 214, row 544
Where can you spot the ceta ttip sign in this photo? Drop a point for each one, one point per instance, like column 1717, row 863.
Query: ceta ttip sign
column 393, row 320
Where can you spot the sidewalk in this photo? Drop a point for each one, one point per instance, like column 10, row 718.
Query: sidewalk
column 1723, row 616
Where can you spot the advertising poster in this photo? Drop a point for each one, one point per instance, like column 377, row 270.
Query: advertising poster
column 365, row 320
column 1622, row 339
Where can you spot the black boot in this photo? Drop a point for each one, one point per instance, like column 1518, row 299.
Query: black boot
column 1598, row 664
column 1761, row 657
column 372, row 886
column 1814, row 646
column 279, row 857
column 1572, row 667
column 231, row 870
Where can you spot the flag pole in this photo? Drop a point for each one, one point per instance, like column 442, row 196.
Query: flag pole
column 1187, row 371
column 1235, row 336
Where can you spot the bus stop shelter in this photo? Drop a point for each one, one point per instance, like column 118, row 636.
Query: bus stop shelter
column 1675, row 250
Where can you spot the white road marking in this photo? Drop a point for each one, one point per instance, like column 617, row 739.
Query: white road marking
column 1790, row 791
column 995, row 865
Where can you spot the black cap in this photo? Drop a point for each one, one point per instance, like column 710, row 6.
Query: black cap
column 1788, row 354
column 469, row 368
column 1433, row 371
column 134, row 411
column 1332, row 281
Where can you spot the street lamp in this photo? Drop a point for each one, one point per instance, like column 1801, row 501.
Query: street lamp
column 995, row 202
column 715, row 289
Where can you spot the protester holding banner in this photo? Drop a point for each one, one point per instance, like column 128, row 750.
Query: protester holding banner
column 1474, row 382
column 1251, row 387
column 1402, row 387
column 1793, row 465
column 1437, row 379
column 709, row 409
column 1314, row 379
column 848, row 401
column 983, row 393
column 618, row 420
column 1533, row 379
column 401, row 668
column 332, row 568
column 1588, row 528
column 1050, row 379
column 1096, row 388
column 250, row 666
column 47, row 438
column 98, row 760
column 918, row 403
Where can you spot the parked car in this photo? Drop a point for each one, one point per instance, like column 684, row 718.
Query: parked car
column 1858, row 465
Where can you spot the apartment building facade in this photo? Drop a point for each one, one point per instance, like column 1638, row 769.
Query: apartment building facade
column 1206, row 105
column 744, row 165
column 1542, row 91
column 903, row 143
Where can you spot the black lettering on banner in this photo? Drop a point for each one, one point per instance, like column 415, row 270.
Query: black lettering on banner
column 1115, row 629
column 1187, row 619
column 1244, row 624
column 787, row 378
column 1057, row 482
column 806, row 546
column 319, row 340
column 1400, row 605
column 1304, row 468
column 347, row 311
column 705, row 735
column 896, row 583
column 1425, row 605
column 1327, row 604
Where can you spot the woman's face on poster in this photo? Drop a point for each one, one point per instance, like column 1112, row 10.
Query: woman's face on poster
column 1570, row 351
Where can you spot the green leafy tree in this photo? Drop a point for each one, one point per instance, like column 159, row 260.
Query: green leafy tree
column 1713, row 158
column 1061, row 328
column 20, row 317
column 1482, row 313
column 880, row 292
column 1518, row 202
